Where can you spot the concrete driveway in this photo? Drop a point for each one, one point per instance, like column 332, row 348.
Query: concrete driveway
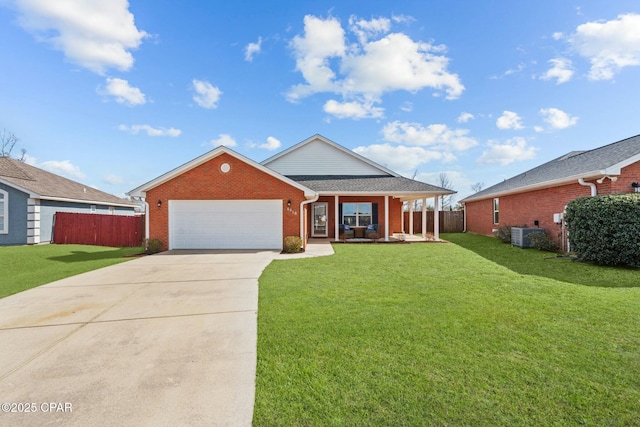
column 168, row 339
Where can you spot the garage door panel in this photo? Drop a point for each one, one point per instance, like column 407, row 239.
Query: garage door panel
column 225, row 224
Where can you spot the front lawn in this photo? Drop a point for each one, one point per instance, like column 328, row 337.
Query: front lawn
column 434, row 334
column 25, row 267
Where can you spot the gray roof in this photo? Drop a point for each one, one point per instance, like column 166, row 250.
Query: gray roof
column 48, row 185
column 573, row 165
column 367, row 184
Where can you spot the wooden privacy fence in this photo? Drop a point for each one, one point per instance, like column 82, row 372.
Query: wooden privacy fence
column 450, row 222
column 100, row 230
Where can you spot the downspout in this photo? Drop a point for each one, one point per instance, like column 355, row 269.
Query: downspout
column 302, row 217
column 464, row 217
column 146, row 224
column 594, row 191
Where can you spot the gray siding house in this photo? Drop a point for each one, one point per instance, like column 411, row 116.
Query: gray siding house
column 30, row 197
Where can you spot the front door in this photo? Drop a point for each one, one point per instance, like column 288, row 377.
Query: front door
column 319, row 212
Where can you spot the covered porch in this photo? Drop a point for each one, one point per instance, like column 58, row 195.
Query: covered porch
column 371, row 216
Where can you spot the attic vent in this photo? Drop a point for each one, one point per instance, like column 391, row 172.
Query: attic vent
column 521, row 237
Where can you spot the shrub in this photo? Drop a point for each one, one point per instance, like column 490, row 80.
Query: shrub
column 543, row 242
column 154, row 246
column 504, row 232
column 605, row 229
column 292, row 244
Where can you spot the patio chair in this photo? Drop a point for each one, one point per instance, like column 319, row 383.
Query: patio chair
column 371, row 229
column 346, row 232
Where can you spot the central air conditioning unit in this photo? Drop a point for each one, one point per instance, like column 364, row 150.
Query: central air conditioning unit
column 521, row 237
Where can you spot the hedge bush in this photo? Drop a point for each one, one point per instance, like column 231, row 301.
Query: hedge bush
column 543, row 242
column 292, row 244
column 605, row 229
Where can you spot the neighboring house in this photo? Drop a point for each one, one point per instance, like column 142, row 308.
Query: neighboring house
column 30, row 197
column 536, row 197
column 223, row 200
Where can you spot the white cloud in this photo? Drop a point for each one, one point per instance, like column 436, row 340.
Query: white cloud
column 353, row 110
column 510, row 71
column 224, row 139
column 151, row 131
column 271, row 144
column 465, row 117
column 437, row 136
column 365, row 29
column 609, row 45
column 561, row 70
column 366, row 68
column 557, row 35
column 400, row 157
column 509, row 120
column 513, row 150
column 114, row 179
column 407, row 107
column 206, row 95
column 96, row 35
column 251, row 49
column 557, row 118
column 124, row 93
column 64, row 168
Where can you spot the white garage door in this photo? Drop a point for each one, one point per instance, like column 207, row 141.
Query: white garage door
column 225, row 224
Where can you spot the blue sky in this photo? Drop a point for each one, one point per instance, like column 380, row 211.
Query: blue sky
column 113, row 94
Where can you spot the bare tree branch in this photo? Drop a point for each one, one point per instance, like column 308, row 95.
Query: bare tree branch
column 7, row 141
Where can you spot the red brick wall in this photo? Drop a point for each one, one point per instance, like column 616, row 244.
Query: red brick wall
column 395, row 212
column 540, row 205
column 208, row 182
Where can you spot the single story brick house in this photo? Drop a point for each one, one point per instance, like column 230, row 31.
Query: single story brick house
column 224, row 200
column 30, row 198
column 537, row 197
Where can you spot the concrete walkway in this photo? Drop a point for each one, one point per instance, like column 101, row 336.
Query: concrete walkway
column 163, row 340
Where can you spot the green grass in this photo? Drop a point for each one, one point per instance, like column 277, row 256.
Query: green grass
column 25, row 267
column 434, row 334
column 546, row 264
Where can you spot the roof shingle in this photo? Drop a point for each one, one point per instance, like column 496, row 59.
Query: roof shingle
column 575, row 163
column 49, row 185
column 364, row 184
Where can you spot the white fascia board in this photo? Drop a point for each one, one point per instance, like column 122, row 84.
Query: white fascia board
column 31, row 194
column 88, row 202
column 541, row 185
column 617, row 168
column 333, row 144
column 141, row 190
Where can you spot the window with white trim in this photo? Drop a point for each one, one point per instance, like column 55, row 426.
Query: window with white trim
column 357, row 214
column 4, row 212
column 93, row 208
column 496, row 210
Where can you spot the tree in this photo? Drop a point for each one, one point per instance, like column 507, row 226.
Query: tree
column 446, row 200
column 477, row 187
column 8, row 140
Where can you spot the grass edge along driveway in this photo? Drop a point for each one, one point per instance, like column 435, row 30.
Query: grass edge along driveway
column 434, row 334
column 25, row 267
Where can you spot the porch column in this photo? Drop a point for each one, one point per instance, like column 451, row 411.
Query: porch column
column 411, row 202
column 402, row 217
column 386, row 218
column 337, row 218
column 436, row 219
column 424, row 218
